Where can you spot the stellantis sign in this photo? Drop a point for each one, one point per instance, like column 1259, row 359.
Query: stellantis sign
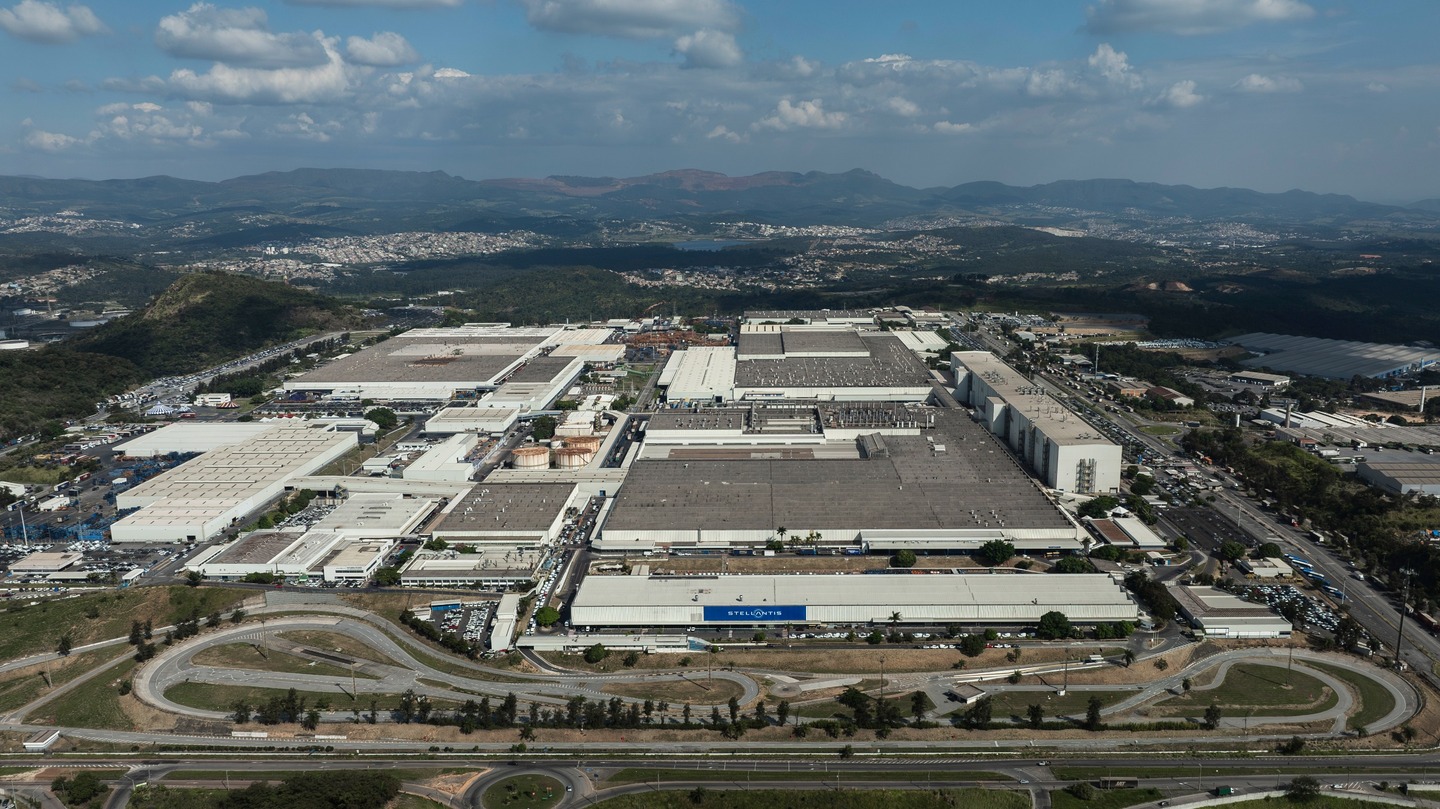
column 756, row 615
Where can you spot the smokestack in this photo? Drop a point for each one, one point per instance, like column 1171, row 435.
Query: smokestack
column 1287, row 414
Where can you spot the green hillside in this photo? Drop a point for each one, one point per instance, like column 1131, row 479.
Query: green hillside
column 57, row 383
column 207, row 318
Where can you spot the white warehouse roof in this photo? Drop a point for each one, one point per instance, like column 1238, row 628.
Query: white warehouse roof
column 848, row 599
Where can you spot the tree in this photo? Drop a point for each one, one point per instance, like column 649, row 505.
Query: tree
column 596, row 653
column 1232, row 551
column 387, row 577
column 194, row 577
column 1035, row 715
column 137, row 633
column 543, row 428
column 1074, row 564
column 1269, row 550
column 547, row 616
column 972, row 645
column 1128, row 656
column 904, row 558
column 734, row 705
column 980, row 714
column 1181, row 544
column 782, row 711
column 1212, row 716
column 1092, row 714
column 1292, row 747
column 1053, row 625
column 919, row 704
column 1082, row 791
column 63, row 647
column 1099, row 507
column 995, row 552
column 1142, row 485
column 383, row 417
column 1303, row 789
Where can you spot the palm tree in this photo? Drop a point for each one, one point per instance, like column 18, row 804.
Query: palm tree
column 894, row 618
column 780, row 532
column 1129, row 657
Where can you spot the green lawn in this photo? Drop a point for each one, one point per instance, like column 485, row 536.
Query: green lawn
column 637, row 775
column 705, row 798
column 407, row 801
column 1375, row 701
column 20, row 690
column 1251, row 688
column 95, row 704
column 1105, row 798
column 524, row 792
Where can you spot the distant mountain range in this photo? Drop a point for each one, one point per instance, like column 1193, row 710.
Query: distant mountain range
column 359, row 200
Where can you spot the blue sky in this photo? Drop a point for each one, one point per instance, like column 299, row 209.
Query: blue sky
column 1326, row 95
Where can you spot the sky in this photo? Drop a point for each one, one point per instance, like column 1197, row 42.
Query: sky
column 1324, row 95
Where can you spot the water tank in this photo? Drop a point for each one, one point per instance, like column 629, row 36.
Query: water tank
column 531, row 457
column 586, row 442
column 573, row 457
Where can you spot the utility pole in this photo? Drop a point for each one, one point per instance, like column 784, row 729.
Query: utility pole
column 1404, row 605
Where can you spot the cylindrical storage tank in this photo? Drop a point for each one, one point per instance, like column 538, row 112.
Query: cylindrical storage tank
column 531, row 457
column 587, row 442
column 573, row 457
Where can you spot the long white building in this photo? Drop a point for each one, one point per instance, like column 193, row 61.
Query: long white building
column 761, row 600
column 1064, row 451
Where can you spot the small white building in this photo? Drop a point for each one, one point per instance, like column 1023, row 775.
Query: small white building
column 1219, row 614
column 212, row 399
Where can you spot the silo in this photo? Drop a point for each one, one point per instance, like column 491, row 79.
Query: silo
column 531, row 457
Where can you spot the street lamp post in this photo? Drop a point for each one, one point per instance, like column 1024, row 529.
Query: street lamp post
column 1404, row 605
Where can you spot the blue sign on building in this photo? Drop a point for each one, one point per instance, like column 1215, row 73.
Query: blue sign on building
column 751, row 614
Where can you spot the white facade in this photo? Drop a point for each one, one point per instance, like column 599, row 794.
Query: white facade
column 446, row 462
column 1064, row 451
column 746, row 600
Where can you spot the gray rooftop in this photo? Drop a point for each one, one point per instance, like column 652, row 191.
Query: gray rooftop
column 914, row 487
column 426, row 357
column 1336, row 359
column 255, row 548
column 542, row 370
column 890, row 364
column 495, row 507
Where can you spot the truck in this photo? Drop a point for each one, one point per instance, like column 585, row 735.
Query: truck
column 1431, row 625
column 1221, row 792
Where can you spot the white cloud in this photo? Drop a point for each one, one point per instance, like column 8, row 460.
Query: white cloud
column 1113, row 65
column 1190, row 17
column 385, row 49
column 1256, row 83
column 55, row 141
column 46, row 22
column 225, row 84
column 238, row 36
column 632, row 19
column 950, row 128
column 1181, row 94
column 706, row 48
column 722, row 132
column 809, row 114
column 902, row 106
column 395, row 4
column 1050, row 84
column 1377, row 87
column 24, row 85
column 450, row 73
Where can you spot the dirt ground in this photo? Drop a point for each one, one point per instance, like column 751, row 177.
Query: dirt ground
column 144, row 717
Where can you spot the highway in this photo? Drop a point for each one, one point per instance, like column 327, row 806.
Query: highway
column 1183, row 780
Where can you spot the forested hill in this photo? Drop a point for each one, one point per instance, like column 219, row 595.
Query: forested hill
column 204, row 319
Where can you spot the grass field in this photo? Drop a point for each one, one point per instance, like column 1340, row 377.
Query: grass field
column 1104, row 799
column 403, row 773
column 223, row 697
column 1375, row 701
column 407, row 801
column 1005, row 704
column 21, row 689
column 704, row 798
column 1265, row 690
column 337, row 643
column 159, row 796
column 26, row 630
column 1194, row 771
column 1322, row 802
column 246, row 656
column 698, row 691
column 524, row 792
column 636, row 775
column 94, row 704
